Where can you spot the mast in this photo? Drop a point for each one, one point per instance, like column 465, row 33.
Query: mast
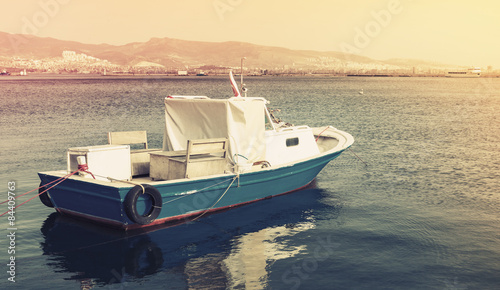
column 242, row 85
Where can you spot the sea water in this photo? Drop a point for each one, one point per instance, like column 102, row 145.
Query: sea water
column 413, row 205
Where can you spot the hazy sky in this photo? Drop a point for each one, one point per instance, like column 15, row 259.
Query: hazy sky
column 462, row 32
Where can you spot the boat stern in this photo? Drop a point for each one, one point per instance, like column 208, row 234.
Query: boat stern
column 95, row 200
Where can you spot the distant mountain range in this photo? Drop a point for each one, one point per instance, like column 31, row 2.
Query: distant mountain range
column 175, row 53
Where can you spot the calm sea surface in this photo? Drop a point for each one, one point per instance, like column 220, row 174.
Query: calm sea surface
column 423, row 214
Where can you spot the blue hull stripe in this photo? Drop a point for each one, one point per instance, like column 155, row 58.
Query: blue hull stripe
column 185, row 198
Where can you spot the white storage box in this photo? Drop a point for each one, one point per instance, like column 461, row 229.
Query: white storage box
column 103, row 161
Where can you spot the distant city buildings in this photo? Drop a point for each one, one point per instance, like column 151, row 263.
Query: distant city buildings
column 77, row 62
column 72, row 56
column 69, row 62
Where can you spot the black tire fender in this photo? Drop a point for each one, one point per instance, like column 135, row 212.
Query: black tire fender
column 45, row 196
column 144, row 258
column 130, row 204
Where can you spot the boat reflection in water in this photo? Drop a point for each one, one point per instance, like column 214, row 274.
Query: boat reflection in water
column 231, row 249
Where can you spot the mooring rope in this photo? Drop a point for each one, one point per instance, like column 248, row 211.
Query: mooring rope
column 197, row 191
column 55, row 180
column 227, row 189
column 58, row 181
column 85, row 168
column 322, row 133
column 357, row 156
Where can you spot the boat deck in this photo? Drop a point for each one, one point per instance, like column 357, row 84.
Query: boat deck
column 327, row 139
column 325, row 142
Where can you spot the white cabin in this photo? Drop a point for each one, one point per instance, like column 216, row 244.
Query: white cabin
column 245, row 122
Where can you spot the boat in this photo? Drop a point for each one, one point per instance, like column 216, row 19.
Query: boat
column 217, row 154
column 473, row 72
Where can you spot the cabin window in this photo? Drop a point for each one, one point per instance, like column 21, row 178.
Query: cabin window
column 292, row 142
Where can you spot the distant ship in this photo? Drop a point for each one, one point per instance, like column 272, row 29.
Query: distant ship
column 473, row 72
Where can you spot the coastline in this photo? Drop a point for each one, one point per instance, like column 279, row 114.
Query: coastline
column 165, row 75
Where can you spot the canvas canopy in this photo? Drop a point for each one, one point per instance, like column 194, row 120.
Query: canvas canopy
column 241, row 120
